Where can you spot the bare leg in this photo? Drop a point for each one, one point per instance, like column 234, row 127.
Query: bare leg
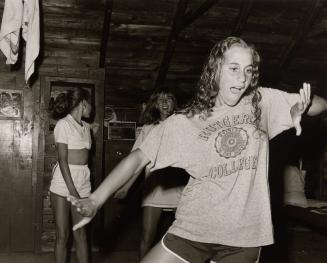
column 80, row 238
column 159, row 254
column 61, row 209
column 150, row 219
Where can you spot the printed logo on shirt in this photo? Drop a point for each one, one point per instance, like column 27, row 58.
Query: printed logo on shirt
column 231, row 142
column 235, row 165
column 226, row 122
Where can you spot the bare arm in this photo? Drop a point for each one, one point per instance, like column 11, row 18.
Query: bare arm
column 318, row 106
column 122, row 191
column 64, row 168
column 129, row 166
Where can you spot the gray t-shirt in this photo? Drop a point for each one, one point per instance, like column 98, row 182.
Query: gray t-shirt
column 227, row 198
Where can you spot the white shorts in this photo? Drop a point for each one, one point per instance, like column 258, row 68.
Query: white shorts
column 81, row 178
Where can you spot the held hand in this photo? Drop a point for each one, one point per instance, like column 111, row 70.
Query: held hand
column 95, row 127
column 300, row 107
column 86, row 207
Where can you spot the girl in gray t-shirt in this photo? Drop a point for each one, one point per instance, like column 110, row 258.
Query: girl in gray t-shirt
column 221, row 139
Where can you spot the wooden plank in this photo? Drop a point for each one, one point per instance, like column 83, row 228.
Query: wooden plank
column 66, row 11
column 22, row 228
column 98, row 74
column 190, row 17
column 58, row 52
column 309, row 18
column 171, row 41
column 70, row 33
column 71, row 61
column 142, row 17
column 105, row 32
column 90, row 25
column 75, row 44
column 37, row 200
column 45, row 69
column 59, row 3
column 4, row 231
column 128, row 64
column 73, row 72
column 144, row 31
column 163, row 5
column 242, row 17
column 40, row 126
column 6, row 173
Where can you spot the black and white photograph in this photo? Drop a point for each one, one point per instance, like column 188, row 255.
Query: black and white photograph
column 163, row 131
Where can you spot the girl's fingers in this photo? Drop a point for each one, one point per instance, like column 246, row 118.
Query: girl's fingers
column 83, row 222
column 308, row 94
column 70, row 198
column 74, row 201
column 302, row 96
column 305, row 94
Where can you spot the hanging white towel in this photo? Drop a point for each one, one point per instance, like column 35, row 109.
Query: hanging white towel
column 19, row 14
column 31, row 34
column 10, row 29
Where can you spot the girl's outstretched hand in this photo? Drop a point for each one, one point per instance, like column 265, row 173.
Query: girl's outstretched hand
column 300, row 107
column 86, row 207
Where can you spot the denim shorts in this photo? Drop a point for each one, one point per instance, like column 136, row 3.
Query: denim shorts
column 197, row 252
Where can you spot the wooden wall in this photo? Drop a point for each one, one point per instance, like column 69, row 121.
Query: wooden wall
column 69, row 52
column 17, row 180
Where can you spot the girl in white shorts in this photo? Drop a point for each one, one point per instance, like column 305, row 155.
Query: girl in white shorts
column 71, row 175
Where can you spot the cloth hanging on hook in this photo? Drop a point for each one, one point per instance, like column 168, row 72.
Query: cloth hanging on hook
column 10, row 29
column 19, row 15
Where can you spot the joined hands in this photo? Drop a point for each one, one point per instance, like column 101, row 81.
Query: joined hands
column 86, row 207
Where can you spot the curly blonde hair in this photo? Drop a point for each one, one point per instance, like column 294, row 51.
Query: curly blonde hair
column 207, row 89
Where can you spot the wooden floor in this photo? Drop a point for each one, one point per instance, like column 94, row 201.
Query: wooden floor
column 114, row 257
column 303, row 246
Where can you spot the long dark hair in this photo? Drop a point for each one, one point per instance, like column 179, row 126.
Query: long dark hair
column 207, row 88
column 151, row 114
column 66, row 102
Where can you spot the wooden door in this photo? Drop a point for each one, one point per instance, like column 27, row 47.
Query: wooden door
column 16, row 166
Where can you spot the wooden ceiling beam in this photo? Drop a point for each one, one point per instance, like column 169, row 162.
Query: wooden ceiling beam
column 190, row 16
column 242, row 17
column 171, row 42
column 105, row 32
column 301, row 32
column 181, row 20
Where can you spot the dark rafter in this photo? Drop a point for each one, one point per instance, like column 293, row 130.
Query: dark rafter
column 190, row 17
column 242, row 17
column 171, row 42
column 181, row 21
column 303, row 29
column 105, row 32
